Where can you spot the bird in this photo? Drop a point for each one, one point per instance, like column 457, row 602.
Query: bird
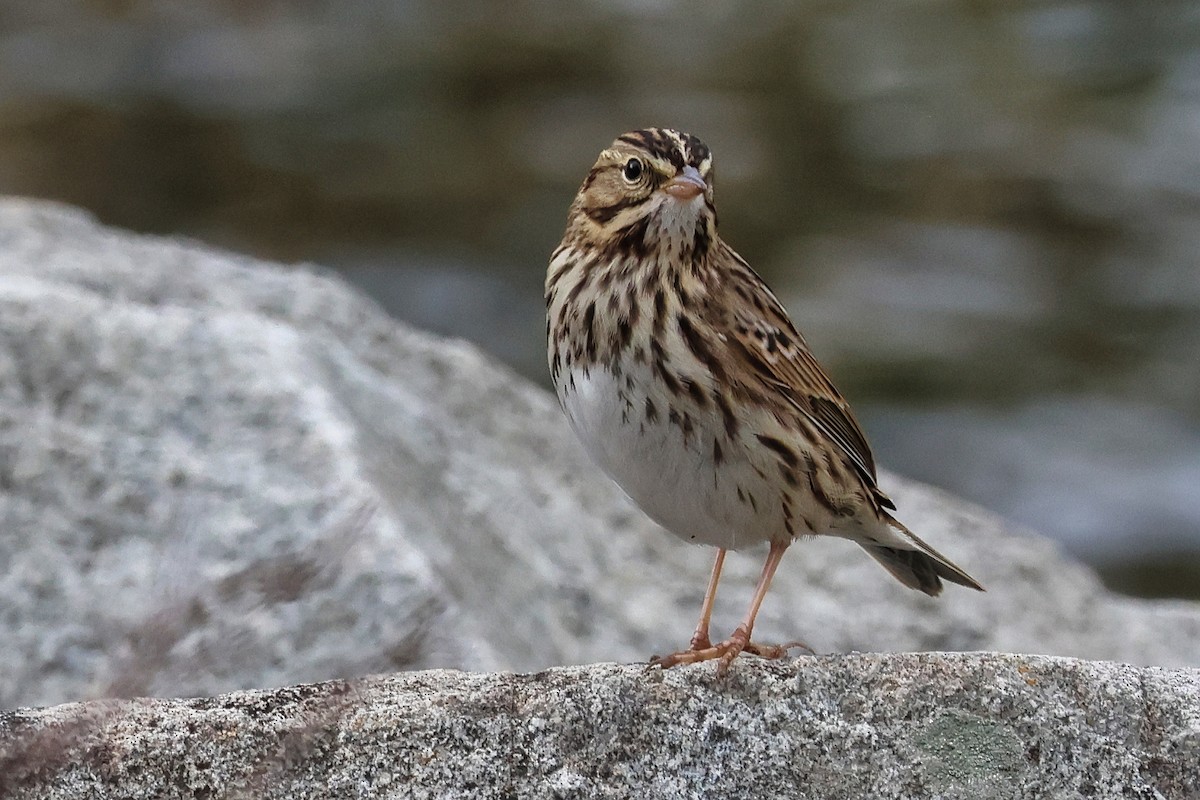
column 688, row 384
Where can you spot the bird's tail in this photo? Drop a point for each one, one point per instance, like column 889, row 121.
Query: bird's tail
column 919, row 567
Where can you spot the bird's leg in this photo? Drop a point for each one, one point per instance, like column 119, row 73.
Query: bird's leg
column 700, row 640
column 728, row 650
column 740, row 640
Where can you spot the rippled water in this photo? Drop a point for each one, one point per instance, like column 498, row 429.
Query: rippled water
column 983, row 214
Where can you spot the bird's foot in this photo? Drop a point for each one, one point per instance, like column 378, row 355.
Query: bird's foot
column 775, row 651
column 726, row 651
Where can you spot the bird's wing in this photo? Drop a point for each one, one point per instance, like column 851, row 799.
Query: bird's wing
column 774, row 354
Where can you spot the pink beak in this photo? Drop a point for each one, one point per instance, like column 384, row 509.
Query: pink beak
column 686, row 185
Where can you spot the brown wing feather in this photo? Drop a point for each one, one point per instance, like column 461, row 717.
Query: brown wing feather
column 778, row 356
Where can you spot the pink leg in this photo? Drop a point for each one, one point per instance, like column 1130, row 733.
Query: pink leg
column 729, row 649
column 700, row 640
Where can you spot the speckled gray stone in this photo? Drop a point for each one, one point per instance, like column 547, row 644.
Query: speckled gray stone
column 220, row 473
column 971, row 725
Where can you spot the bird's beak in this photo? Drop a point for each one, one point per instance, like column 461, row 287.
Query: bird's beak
column 686, row 185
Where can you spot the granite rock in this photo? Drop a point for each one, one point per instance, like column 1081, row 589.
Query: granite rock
column 970, row 725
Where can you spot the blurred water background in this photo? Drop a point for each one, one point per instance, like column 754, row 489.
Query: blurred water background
column 983, row 213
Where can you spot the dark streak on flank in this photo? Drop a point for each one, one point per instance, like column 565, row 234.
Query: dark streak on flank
column 658, row 363
column 717, row 455
column 651, row 411
column 782, row 450
column 683, row 420
column 696, row 392
column 727, row 415
column 686, row 427
column 589, row 331
column 668, row 378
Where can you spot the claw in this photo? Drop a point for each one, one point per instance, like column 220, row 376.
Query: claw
column 773, row 651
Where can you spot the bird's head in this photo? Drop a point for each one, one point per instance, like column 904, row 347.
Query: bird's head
column 650, row 191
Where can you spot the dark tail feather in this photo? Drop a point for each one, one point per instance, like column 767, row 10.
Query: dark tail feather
column 920, row 569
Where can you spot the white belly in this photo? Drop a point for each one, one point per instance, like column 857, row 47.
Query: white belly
column 673, row 477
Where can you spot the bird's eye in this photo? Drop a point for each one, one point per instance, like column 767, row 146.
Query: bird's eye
column 632, row 170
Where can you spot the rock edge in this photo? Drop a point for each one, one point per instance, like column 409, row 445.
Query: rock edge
column 880, row 725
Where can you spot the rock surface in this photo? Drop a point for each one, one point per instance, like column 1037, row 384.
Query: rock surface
column 217, row 473
column 972, row 725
